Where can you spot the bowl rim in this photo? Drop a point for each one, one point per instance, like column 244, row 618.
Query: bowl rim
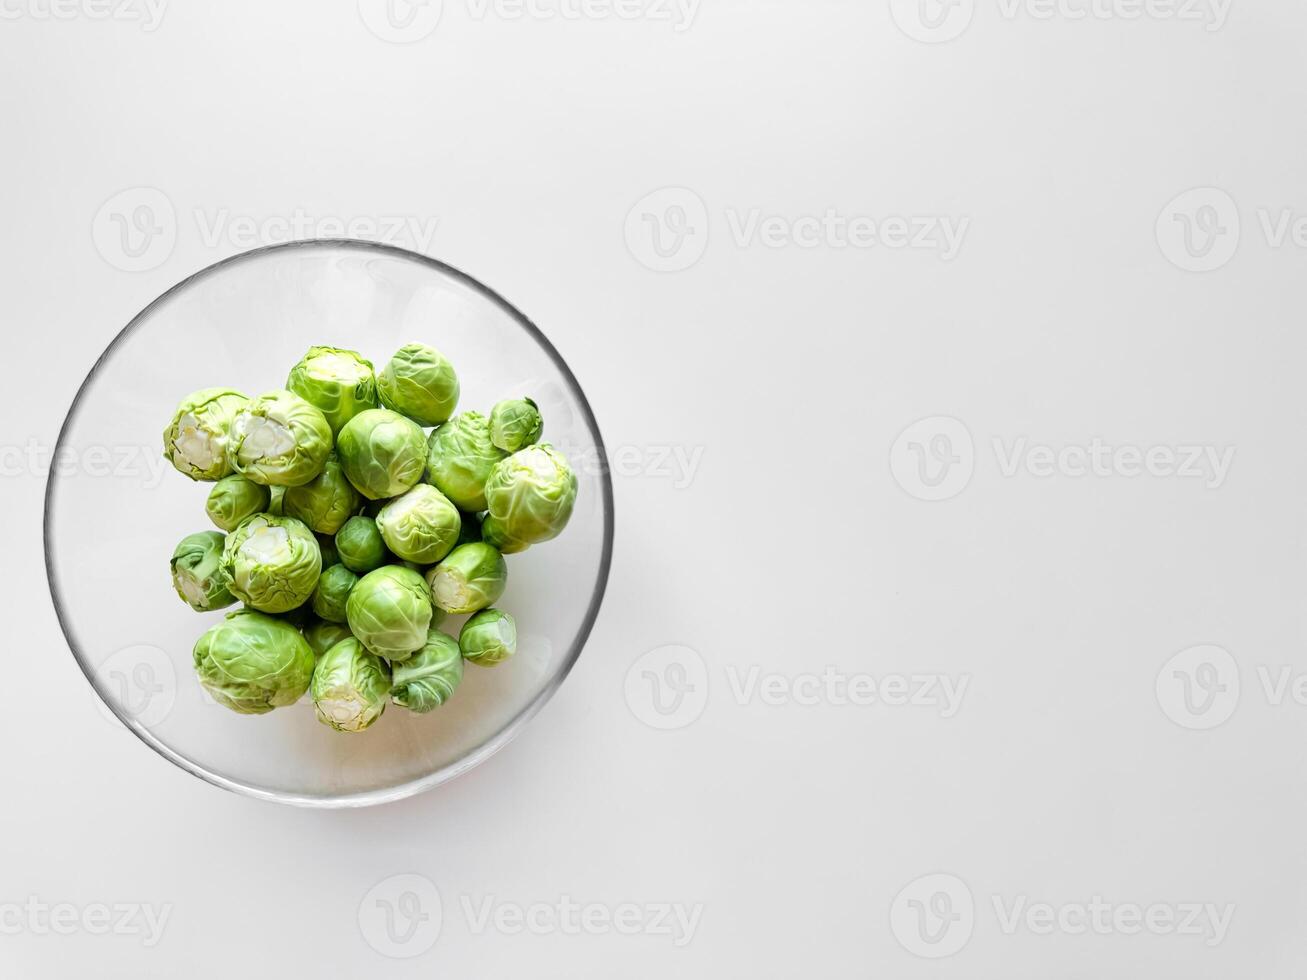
column 515, row 724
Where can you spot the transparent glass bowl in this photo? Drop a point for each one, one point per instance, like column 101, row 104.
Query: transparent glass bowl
column 115, row 509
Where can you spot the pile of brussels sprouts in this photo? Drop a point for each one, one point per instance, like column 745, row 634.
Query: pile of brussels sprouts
column 349, row 534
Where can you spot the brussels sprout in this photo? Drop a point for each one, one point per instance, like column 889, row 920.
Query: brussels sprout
column 420, row 383
column 273, row 563
column 360, row 545
column 488, row 638
column 460, row 457
column 253, row 663
column 389, row 610
column 470, row 530
column 327, row 545
column 279, row 439
column 197, row 573
column 420, row 526
column 472, row 577
column 339, row 383
column 234, row 498
column 515, row 424
column 326, row 502
column 350, row 687
column 334, row 586
column 276, row 499
column 196, row 440
column 427, row 679
column 383, row 453
column 530, row 496
column 322, row 636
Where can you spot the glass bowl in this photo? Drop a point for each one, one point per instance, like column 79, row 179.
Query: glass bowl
column 115, row 510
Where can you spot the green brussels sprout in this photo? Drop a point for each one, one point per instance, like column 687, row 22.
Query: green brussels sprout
column 326, row 502
column 334, row 586
column 383, row 453
column 472, row 577
column 280, row 440
column 273, row 563
column 515, row 424
column 253, row 663
column 530, row 496
column 233, row 499
column 470, row 530
column 339, row 383
column 327, row 545
column 276, row 499
column 322, row 636
column 389, row 610
column 488, row 638
column 350, row 686
column 197, row 573
column 196, row 440
column 419, row 382
column 421, row 526
column 360, row 545
column 460, row 457
column 427, row 679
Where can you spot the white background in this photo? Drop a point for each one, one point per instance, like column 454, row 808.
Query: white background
column 1075, row 310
